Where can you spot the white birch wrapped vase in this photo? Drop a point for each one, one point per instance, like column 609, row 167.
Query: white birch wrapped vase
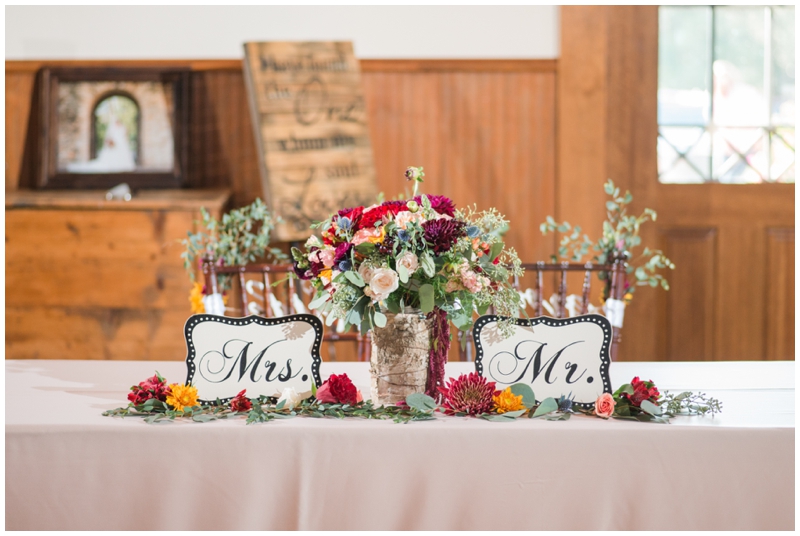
column 399, row 362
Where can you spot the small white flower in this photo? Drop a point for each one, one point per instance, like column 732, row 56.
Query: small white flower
column 409, row 261
column 290, row 396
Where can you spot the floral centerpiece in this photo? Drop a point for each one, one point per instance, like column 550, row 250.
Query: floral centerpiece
column 405, row 269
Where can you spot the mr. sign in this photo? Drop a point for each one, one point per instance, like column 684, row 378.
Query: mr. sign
column 567, row 356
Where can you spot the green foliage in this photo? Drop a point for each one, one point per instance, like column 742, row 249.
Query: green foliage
column 241, row 237
column 688, row 403
column 619, row 240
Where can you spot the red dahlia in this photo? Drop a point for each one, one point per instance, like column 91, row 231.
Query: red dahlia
column 470, row 394
column 337, row 390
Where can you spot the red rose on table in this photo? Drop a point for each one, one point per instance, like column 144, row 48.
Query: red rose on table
column 338, row 389
column 642, row 391
column 241, row 403
column 155, row 387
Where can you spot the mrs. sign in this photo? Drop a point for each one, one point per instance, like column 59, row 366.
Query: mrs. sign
column 567, row 356
column 262, row 355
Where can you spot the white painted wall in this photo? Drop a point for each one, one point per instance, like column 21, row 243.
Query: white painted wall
column 152, row 32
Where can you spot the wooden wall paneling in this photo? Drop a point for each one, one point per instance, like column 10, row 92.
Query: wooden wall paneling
column 485, row 138
column 484, row 131
column 779, row 329
column 19, row 95
column 689, row 330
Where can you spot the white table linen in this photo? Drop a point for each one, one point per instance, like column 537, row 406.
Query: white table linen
column 70, row 468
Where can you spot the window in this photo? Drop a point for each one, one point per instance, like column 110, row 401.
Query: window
column 726, row 94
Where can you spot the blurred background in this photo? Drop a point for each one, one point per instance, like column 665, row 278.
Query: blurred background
column 529, row 109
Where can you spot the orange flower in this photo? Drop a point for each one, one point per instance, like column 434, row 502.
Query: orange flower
column 182, row 396
column 507, row 401
column 196, row 299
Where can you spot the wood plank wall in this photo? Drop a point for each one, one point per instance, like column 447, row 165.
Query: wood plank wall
column 732, row 292
column 483, row 130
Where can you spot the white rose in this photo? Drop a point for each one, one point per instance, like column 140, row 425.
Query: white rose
column 365, row 271
column 384, row 281
column 290, row 396
column 408, row 261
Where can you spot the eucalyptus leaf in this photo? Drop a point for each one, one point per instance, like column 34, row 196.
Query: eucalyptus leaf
column 548, row 405
column 421, row 402
column 355, row 278
column 402, row 273
column 380, row 319
column 426, row 302
column 319, row 300
column 649, row 407
column 528, row 398
column 427, row 264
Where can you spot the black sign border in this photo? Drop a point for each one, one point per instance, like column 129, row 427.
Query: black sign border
column 605, row 355
column 194, row 320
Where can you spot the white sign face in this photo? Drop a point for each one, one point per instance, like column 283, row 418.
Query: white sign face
column 262, row 355
column 566, row 356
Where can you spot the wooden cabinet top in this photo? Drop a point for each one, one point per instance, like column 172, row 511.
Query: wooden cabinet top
column 188, row 200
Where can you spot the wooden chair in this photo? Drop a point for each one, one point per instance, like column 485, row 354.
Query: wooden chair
column 616, row 271
column 292, row 300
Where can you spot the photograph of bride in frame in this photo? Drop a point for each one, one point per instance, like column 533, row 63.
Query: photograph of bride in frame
column 101, row 127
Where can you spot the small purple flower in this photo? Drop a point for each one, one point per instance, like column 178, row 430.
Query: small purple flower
column 345, row 265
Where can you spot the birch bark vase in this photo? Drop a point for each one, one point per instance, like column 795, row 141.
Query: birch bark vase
column 399, row 362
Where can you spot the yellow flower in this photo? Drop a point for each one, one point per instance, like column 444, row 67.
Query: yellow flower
column 507, row 401
column 196, row 299
column 182, row 396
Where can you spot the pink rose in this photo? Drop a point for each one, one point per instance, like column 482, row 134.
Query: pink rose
column 365, row 234
column 604, row 406
column 327, row 256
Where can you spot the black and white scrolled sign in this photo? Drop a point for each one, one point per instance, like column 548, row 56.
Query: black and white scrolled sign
column 566, row 356
column 262, row 355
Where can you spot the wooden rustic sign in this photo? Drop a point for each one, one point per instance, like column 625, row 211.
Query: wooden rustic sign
column 566, row 356
column 311, row 126
column 262, row 355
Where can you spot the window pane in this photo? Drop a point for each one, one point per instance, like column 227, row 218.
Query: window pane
column 693, row 144
column 683, row 65
column 739, row 97
column 740, row 155
column 783, row 65
column 782, row 169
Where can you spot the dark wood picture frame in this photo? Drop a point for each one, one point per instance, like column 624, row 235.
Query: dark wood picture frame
column 48, row 176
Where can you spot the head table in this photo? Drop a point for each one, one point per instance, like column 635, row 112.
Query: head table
column 69, row 468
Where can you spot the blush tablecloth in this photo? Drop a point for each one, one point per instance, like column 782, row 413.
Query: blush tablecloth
column 67, row 467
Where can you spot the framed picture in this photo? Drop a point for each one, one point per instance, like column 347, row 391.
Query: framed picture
column 104, row 126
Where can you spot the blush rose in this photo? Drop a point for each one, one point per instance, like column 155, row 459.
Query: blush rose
column 604, row 406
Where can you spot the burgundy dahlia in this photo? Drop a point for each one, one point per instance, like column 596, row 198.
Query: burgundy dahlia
column 443, row 234
column 440, row 203
column 470, row 394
